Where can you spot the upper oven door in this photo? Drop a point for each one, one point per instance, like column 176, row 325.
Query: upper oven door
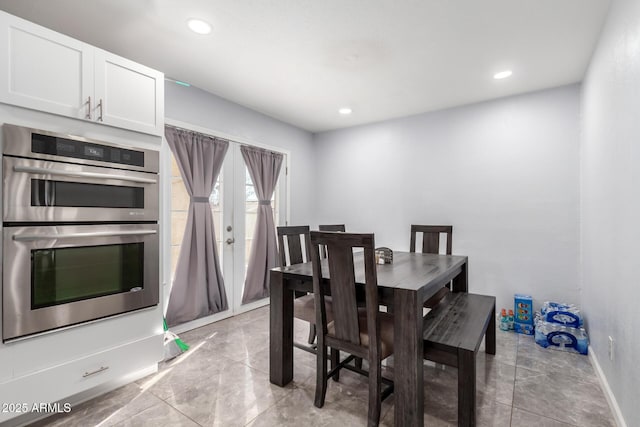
column 44, row 191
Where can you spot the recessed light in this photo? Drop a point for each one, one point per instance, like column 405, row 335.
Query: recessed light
column 345, row 111
column 199, row 26
column 502, row 74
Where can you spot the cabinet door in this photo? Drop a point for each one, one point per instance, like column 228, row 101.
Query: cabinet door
column 44, row 70
column 128, row 95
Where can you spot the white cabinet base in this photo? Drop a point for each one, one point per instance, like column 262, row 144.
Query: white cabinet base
column 80, row 379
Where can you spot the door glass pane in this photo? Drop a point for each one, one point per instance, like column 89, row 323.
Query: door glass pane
column 180, row 206
column 81, row 195
column 64, row 275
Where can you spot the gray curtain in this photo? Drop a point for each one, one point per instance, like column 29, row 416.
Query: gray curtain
column 198, row 287
column 264, row 169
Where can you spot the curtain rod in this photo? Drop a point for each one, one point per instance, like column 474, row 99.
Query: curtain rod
column 195, row 131
column 253, row 147
column 266, row 150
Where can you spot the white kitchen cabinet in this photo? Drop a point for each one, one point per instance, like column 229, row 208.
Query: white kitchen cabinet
column 128, row 95
column 44, row 70
column 47, row 71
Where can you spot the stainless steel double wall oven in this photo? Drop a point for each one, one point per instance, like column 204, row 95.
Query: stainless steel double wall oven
column 80, row 230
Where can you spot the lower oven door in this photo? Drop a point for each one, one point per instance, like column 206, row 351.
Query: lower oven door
column 56, row 276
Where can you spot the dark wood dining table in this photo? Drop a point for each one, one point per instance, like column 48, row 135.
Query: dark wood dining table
column 405, row 285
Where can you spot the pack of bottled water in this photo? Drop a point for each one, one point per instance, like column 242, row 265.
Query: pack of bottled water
column 559, row 337
column 564, row 314
column 559, row 326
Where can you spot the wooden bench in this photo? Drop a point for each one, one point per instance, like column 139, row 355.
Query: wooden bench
column 452, row 334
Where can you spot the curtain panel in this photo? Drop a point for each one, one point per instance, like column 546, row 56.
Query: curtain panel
column 264, row 169
column 198, row 286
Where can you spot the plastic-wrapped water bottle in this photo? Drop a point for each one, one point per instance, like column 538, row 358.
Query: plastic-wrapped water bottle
column 560, row 337
column 564, row 314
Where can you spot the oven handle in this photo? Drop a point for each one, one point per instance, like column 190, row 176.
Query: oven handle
column 33, row 237
column 31, row 169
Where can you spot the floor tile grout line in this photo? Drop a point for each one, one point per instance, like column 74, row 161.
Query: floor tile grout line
column 513, row 406
column 515, row 375
column 182, row 413
column 269, row 407
column 548, row 418
column 178, row 410
column 245, row 363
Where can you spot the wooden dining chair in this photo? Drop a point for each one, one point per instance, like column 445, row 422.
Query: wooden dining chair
column 367, row 335
column 291, row 241
column 297, row 237
column 323, row 254
column 431, row 238
column 330, row 227
column 431, row 245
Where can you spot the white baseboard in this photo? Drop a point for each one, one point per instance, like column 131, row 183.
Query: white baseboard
column 203, row 321
column 611, row 399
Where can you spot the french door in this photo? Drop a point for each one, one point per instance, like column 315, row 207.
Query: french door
column 234, row 207
column 238, row 219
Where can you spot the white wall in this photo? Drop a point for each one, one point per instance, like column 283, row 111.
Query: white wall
column 195, row 106
column 504, row 173
column 610, row 160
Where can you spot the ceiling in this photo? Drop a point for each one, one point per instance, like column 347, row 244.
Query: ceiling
column 301, row 60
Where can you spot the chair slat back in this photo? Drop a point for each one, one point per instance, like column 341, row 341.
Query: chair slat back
column 295, row 236
column 330, row 227
column 342, row 284
column 431, row 238
column 343, row 291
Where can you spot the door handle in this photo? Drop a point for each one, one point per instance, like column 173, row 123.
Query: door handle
column 230, row 240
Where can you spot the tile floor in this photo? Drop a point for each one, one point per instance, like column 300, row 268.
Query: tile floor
column 223, row 381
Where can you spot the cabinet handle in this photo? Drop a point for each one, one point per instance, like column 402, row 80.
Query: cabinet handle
column 97, row 371
column 100, row 106
column 88, row 116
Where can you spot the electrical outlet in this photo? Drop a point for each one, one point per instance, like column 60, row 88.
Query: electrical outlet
column 610, row 348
